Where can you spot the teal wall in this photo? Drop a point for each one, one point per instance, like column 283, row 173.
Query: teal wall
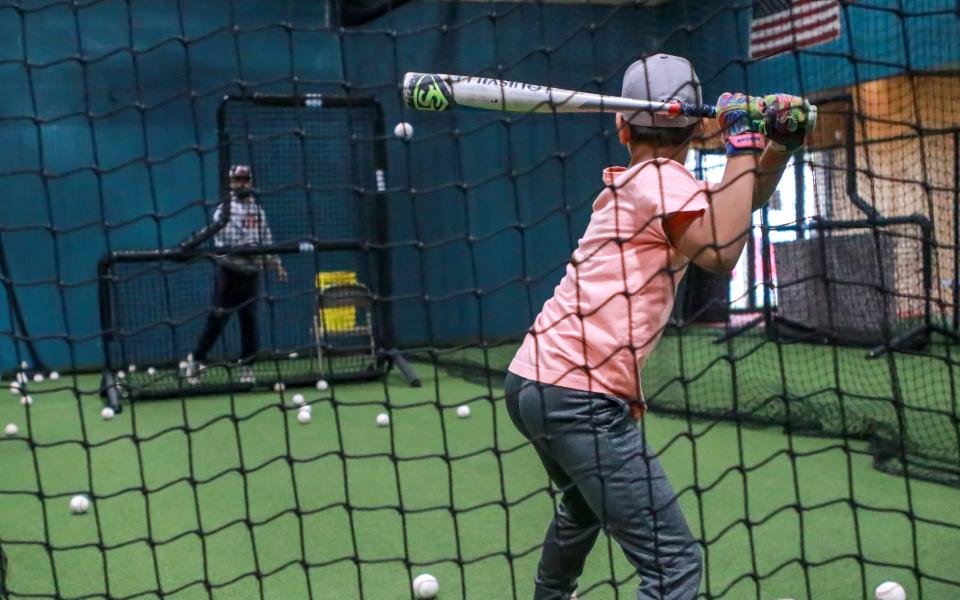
column 118, row 114
column 114, row 104
column 880, row 38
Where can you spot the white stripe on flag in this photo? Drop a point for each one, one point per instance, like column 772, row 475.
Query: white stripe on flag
column 800, row 10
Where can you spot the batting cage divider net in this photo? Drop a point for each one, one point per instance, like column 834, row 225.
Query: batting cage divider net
column 154, row 306
column 318, row 169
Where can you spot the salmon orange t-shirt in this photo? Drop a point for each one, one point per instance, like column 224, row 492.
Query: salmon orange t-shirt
column 610, row 308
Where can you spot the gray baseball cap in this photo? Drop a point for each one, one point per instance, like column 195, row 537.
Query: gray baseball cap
column 661, row 77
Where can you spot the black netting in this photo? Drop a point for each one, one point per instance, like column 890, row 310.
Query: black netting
column 803, row 404
column 148, row 342
column 317, row 165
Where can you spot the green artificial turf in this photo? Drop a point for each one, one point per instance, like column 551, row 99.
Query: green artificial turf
column 908, row 400
column 234, row 493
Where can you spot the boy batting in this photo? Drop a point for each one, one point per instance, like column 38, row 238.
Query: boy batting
column 573, row 388
column 237, row 277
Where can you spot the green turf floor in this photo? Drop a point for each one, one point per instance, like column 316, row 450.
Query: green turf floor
column 835, row 390
column 315, row 509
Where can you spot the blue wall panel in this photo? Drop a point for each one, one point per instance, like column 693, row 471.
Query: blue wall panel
column 121, row 121
column 115, row 102
column 879, row 38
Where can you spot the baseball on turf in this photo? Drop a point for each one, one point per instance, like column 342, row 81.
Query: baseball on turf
column 11, row 429
column 304, row 415
column 279, row 387
column 383, row 419
column 463, row 411
column 107, row 413
column 425, row 586
column 403, row 130
column 298, row 399
column 26, row 400
column 38, row 377
column 79, row 504
column 322, row 384
column 890, row 590
column 54, row 375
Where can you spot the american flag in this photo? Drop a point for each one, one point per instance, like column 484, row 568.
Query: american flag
column 782, row 25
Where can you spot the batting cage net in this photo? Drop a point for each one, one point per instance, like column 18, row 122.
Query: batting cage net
column 226, row 221
column 156, row 305
column 319, row 176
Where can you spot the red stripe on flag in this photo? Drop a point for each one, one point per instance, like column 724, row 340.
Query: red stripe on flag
column 792, row 13
column 796, row 17
column 759, row 39
column 795, row 7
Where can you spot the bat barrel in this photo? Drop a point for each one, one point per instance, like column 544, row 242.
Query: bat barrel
column 440, row 92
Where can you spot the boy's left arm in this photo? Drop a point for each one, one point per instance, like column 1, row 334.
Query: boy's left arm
column 769, row 171
column 784, row 123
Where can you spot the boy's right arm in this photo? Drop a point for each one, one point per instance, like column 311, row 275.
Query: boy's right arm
column 714, row 239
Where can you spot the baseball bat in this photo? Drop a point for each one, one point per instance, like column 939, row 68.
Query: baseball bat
column 440, row 92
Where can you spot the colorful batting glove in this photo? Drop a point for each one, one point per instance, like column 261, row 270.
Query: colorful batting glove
column 785, row 121
column 741, row 125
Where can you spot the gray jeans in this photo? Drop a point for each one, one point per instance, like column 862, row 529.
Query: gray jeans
column 596, row 455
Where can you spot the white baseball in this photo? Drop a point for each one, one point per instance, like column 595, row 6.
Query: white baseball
column 304, row 415
column 298, row 399
column 890, row 590
column 11, row 429
column 425, row 586
column 403, row 130
column 79, row 504
column 383, row 419
column 107, row 413
column 463, row 411
column 322, row 384
column 54, row 375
